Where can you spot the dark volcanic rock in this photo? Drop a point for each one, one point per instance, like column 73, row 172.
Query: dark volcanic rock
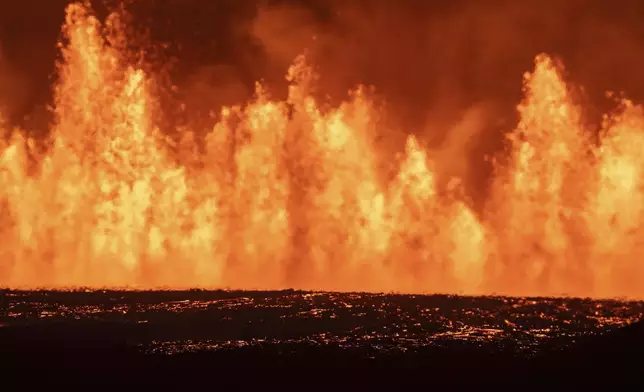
column 615, row 357
column 59, row 353
column 53, row 351
column 249, row 339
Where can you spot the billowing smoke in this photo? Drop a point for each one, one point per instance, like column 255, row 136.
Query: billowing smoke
column 449, row 71
column 13, row 88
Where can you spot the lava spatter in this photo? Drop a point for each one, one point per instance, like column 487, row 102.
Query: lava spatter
column 297, row 186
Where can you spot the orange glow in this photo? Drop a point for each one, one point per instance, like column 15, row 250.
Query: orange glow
column 287, row 194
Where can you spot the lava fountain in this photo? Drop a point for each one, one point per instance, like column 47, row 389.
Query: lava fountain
column 289, row 194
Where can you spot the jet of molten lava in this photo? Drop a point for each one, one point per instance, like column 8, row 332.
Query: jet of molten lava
column 285, row 194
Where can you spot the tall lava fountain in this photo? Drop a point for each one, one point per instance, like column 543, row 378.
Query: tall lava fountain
column 288, row 194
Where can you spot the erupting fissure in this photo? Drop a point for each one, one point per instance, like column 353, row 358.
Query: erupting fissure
column 285, row 194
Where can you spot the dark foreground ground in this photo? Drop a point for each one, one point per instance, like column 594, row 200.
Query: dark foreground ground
column 289, row 339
